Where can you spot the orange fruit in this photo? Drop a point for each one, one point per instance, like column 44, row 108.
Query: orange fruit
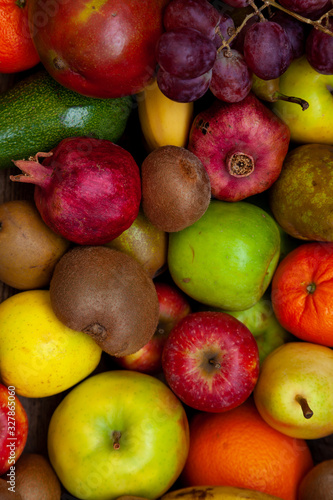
column 17, row 51
column 302, row 292
column 238, row 448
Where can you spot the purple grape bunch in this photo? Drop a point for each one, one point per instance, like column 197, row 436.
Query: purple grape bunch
column 201, row 49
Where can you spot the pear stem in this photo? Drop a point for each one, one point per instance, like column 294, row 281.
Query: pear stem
column 307, row 412
column 277, row 96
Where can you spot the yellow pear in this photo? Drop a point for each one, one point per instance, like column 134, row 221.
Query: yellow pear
column 39, row 355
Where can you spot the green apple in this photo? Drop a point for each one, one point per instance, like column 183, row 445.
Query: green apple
column 262, row 323
column 118, row 433
column 227, row 258
column 294, row 392
column 313, row 125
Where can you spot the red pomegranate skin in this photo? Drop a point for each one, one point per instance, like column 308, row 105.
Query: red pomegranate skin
column 225, row 132
column 88, row 190
column 98, row 48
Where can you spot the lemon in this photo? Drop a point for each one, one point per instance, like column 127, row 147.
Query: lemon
column 39, row 355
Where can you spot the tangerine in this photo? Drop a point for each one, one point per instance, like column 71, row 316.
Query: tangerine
column 302, row 292
column 238, row 448
column 17, row 51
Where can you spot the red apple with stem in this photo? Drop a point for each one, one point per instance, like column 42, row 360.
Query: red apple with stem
column 13, row 429
column 211, row 361
column 242, row 146
column 174, row 306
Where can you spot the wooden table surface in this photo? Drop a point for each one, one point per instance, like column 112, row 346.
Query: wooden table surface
column 40, row 410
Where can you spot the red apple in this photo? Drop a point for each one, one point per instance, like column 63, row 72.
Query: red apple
column 99, row 49
column 241, row 145
column 173, row 307
column 210, row 361
column 13, row 431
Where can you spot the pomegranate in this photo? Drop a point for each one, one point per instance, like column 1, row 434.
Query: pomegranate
column 241, row 145
column 86, row 190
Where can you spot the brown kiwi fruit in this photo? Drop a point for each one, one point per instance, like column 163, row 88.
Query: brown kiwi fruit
column 176, row 188
column 6, row 494
column 29, row 250
column 106, row 294
column 35, row 478
column 317, row 484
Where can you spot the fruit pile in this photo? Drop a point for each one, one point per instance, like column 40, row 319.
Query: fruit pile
column 166, row 250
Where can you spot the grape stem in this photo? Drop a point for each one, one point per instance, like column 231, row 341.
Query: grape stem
column 226, row 43
column 317, row 24
column 271, row 3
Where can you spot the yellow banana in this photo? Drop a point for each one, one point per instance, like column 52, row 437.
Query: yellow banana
column 216, row 493
column 163, row 122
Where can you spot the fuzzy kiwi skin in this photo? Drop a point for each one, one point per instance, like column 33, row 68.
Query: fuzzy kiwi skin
column 317, row 484
column 35, row 478
column 6, row 494
column 106, row 294
column 175, row 187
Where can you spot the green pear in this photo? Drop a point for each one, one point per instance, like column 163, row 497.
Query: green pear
column 287, row 242
column 300, row 199
column 147, row 244
column 227, row 258
column 315, row 123
column 294, row 392
column 262, row 323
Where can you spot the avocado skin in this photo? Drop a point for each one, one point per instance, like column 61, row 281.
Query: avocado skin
column 37, row 113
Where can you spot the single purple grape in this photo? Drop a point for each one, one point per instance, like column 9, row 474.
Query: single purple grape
column 226, row 28
column 231, row 77
column 303, row 6
column 238, row 4
column 295, row 30
column 185, row 53
column 319, row 50
column 239, row 40
column 316, row 14
column 195, row 14
column 267, row 50
column 180, row 90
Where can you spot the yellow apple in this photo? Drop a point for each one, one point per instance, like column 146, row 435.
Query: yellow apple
column 118, row 433
column 315, row 123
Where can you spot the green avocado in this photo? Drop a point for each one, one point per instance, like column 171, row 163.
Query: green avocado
column 37, row 113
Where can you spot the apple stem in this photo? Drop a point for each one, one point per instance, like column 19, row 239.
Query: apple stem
column 216, row 364
column 277, row 96
column 116, row 435
column 307, row 412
